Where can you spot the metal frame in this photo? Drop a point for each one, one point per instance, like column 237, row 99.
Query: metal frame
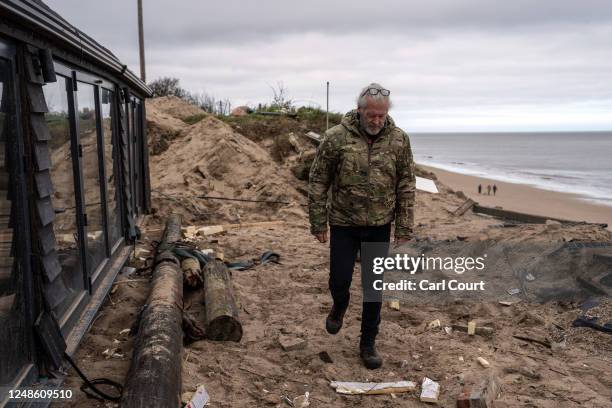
column 116, row 142
column 101, row 169
column 137, row 144
column 74, row 76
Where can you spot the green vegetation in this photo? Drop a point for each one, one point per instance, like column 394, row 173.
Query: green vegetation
column 253, row 125
column 316, row 117
column 258, row 127
column 193, row 119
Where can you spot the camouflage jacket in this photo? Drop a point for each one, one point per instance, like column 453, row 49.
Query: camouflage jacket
column 371, row 182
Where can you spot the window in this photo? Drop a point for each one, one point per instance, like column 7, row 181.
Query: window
column 88, row 139
column 64, row 196
column 136, row 154
column 107, row 103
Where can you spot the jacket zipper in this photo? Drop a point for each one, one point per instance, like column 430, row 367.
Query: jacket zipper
column 369, row 143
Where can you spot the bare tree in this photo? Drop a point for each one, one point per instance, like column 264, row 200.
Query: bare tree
column 167, row 86
column 210, row 103
column 280, row 97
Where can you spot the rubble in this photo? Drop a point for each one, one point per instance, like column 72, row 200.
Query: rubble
column 430, row 391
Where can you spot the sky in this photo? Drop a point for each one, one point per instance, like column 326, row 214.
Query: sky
column 451, row 65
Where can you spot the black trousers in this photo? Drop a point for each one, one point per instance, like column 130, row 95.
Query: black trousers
column 343, row 247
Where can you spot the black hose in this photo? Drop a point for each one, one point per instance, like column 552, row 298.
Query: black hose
column 91, row 384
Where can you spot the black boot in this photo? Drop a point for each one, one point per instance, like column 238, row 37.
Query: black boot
column 333, row 323
column 370, row 357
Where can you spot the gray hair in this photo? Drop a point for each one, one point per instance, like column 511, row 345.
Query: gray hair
column 363, row 95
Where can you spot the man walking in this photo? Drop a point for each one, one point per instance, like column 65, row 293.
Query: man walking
column 367, row 161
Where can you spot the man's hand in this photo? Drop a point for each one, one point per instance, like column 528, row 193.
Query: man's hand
column 322, row 237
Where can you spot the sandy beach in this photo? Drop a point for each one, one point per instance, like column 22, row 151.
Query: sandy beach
column 524, row 198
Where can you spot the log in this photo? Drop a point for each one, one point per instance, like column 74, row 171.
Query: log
column 192, row 273
column 172, row 233
column 154, row 378
column 221, row 312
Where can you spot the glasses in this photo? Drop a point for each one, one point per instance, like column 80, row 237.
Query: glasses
column 376, row 91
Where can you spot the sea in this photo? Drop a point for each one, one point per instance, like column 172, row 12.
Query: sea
column 569, row 162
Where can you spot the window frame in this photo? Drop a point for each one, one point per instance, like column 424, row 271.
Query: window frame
column 116, row 160
column 74, row 76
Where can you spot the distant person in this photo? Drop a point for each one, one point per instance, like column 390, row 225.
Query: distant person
column 494, row 189
column 488, row 189
column 480, row 189
column 367, row 136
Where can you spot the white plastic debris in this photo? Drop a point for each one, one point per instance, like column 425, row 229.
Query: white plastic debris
column 302, row 401
column 427, row 185
column 199, row 399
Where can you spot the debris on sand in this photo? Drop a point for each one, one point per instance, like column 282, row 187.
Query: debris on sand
column 371, row 388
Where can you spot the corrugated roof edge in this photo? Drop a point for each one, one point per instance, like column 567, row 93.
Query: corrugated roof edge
column 37, row 14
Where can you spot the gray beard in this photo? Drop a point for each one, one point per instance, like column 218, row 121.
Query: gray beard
column 371, row 132
column 368, row 130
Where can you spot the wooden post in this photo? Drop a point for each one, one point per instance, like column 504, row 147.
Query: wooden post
column 143, row 75
column 154, row 379
column 221, row 312
column 327, row 109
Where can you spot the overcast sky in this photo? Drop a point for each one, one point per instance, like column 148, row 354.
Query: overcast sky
column 451, row 65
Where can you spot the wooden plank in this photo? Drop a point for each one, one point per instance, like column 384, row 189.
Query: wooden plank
column 463, row 208
column 524, row 217
column 36, row 98
column 40, row 127
column 44, row 186
column 42, row 156
column 314, row 136
column 372, row 388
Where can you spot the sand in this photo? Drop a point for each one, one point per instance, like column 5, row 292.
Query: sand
column 291, row 299
column 524, row 198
